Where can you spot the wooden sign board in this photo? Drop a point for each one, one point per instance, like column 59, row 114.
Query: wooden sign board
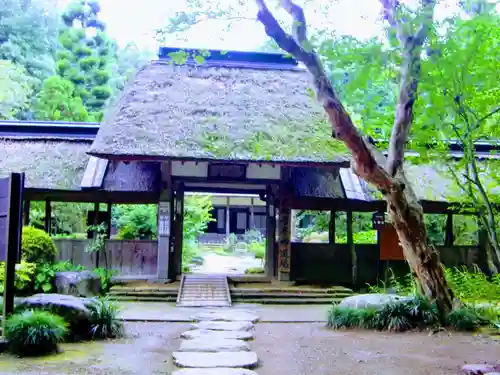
column 227, row 172
column 390, row 248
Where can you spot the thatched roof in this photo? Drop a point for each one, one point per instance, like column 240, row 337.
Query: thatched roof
column 133, row 177
column 220, row 112
column 48, row 163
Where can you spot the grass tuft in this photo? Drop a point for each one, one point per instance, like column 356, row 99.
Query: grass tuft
column 104, row 320
column 34, row 333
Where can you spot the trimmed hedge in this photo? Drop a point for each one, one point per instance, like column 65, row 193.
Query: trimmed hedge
column 37, row 246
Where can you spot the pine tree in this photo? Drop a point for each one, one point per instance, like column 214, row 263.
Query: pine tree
column 86, row 55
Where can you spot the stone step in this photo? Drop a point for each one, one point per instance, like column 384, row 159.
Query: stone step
column 214, row 371
column 203, row 333
column 289, row 301
column 238, row 295
column 202, row 290
column 126, row 298
column 223, row 326
column 216, row 360
column 212, row 345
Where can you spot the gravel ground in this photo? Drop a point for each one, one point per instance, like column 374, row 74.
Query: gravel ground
column 299, row 349
column 284, row 349
column 147, row 350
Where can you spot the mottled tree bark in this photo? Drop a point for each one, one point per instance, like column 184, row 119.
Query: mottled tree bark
column 405, row 212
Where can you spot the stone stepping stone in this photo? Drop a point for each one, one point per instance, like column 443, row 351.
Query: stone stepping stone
column 223, row 326
column 214, row 371
column 211, row 345
column 228, row 316
column 205, row 333
column 216, row 360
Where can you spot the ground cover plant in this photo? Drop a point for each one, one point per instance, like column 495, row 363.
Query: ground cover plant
column 32, row 333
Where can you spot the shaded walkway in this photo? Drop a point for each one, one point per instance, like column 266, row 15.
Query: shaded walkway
column 168, row 312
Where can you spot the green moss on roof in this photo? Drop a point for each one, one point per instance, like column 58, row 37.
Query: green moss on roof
column 218, row 113
column 48, row 164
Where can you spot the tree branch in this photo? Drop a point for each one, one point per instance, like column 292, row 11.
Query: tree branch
column 299, row 21
column 411, row 46
column 364, row 162
column 488, row 115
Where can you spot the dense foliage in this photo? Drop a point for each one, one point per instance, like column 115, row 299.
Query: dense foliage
column 415, row 313
column 37, row 246
column 33, row 333
column 60, row 65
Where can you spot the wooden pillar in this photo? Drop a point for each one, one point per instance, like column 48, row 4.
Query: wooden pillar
column 26, row 213
column 284, row 241
column 331, row 228
column 108, row 222
column 165, row 211
column 252, row 214
column 449, row 230
column 228, row 220
column 48, row 217
column 293, row 225
column 94, row 232
column 270, row 264
column 352, row 248
column 178, row 230
column 11, row 193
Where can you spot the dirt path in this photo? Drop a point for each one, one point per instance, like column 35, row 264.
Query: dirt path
column 301, row 349
column 284, row 349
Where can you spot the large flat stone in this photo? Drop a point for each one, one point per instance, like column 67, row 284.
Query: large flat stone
column 216, row 360
column 211, row 345
column 228, row 316
column 214, row 371
column 223, row 326
column 204, row 333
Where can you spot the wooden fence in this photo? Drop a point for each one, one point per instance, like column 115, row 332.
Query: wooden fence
column 129, row 258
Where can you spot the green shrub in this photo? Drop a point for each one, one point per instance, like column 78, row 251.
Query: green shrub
column 259, row 249
column 346, row 317
column 25, row 273
column 416, row 313
column 464, row 319
column 37, row 246
column 32, row 333
column 104, row 319
column 473, row 286
column 255, row 271
column 106, row 276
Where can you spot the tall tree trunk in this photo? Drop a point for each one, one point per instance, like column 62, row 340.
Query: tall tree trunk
column 387, row 175
column 407, row 217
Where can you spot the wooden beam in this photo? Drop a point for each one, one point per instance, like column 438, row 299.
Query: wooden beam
column 449, row 230
column 350, row 242
column 48, row 217
column 331, row 228
column 108, row 223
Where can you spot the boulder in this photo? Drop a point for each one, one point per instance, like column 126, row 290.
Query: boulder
column 72, row 309
column 373, row 301
column 78, row 284
column 215, row 360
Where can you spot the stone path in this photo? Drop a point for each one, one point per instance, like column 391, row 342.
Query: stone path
column 217, row 344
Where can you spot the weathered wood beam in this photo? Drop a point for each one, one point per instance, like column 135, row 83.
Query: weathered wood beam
column 48, row 216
